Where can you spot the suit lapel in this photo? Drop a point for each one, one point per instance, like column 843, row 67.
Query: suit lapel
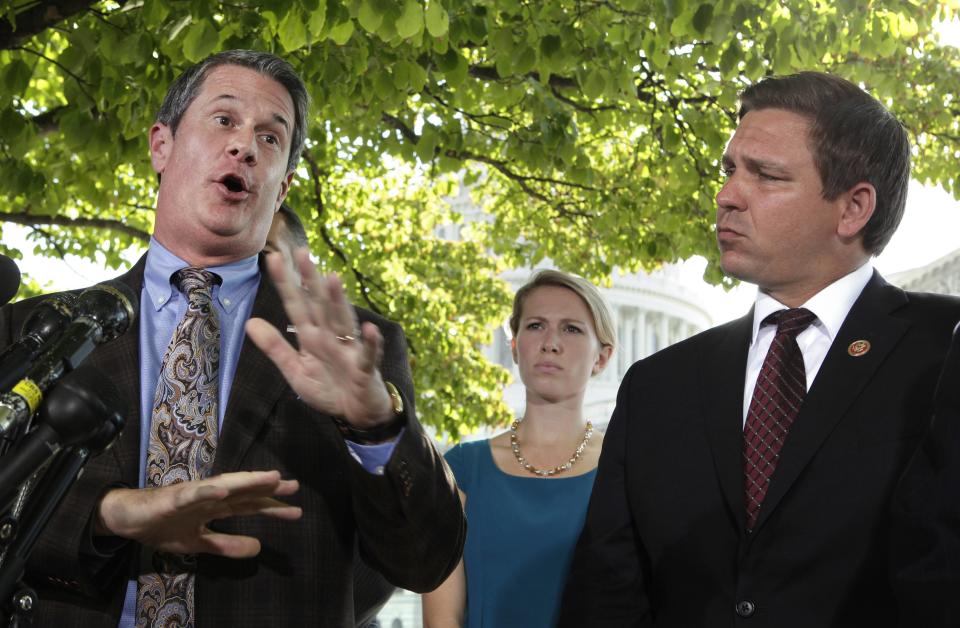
column 257, row 384
column 838, row 383
column 721, row 378
column 119, row 359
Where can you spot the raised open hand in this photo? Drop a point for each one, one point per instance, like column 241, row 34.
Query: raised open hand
column 335, row 370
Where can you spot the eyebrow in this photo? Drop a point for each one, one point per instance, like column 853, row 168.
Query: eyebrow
column 562, row 320
column 276, row 116
column 754, row 164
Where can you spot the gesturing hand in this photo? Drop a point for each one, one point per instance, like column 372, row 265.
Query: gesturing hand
column 335, row 369
column 174, row 518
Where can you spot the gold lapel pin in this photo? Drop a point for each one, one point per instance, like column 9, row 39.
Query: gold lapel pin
column 858, row 348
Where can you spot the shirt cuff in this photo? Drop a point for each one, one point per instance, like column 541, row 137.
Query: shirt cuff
column 373, row 458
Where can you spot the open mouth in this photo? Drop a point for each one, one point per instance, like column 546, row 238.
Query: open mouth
column 234, row 183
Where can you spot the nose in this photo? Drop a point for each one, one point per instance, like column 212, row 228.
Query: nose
column 550, row 344
column 243, row 146
column 730, row 197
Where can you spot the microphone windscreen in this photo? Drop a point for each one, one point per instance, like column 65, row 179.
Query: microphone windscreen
column 9, row 279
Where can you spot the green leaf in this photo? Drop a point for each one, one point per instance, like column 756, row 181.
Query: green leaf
column 201, row 40
column 293, row 30
column 411, row 20
column 341, row 33
column 155, row 12
column 438, row 21
column 729, row 59
column 594, row 85
column 550, row 46
column 369, row 16
column 317, row 20
column 501, row 41
column 673, row 7
column 702, row 18
column 16, row 76
column 660, row 57
column 525, row 61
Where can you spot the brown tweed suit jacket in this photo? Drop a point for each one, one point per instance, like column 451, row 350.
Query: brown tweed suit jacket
column 408, row 522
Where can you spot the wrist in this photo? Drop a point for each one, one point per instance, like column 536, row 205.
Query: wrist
column 100, row 525
column 379, row 432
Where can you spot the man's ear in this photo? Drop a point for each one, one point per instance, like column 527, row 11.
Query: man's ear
column 513, row 350
column 161, row 143
column 284, row 188
column 858, row 205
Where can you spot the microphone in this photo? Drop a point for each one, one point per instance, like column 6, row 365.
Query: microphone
column 45, row 322
column 9, row 279
column 104, row 312
column 84, row 404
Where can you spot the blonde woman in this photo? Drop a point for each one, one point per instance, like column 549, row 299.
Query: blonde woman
column 526, row 490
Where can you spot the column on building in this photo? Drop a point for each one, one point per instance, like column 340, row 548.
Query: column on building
column 665, row 340
column 641, row 350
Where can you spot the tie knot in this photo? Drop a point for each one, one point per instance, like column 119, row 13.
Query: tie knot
column 195, row 281
column 791, row 322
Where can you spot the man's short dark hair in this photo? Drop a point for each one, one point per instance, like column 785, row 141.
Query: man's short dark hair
column 854, row 138
column 186, row 87
column 295, row 229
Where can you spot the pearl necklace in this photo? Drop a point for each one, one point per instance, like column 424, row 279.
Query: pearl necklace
column 560, row 468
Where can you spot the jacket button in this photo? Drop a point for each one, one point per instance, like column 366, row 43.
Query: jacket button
column 746, row 608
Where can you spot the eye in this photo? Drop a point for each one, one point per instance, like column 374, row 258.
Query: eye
column 222, row 120
column 535, row 325
column 574, row 329
column 727, row 171
column 763, row 176
column 270, row 138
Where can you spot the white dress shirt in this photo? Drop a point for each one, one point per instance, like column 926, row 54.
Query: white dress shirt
column 831, row 306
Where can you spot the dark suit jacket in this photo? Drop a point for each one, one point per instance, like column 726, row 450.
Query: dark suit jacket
column 664, row 541
column 927, row 514
column 408, row 522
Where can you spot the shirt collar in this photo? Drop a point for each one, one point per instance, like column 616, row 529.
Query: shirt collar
column 238, row 278
column 831, row 305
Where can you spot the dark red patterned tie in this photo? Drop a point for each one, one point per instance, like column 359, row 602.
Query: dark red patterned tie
column 781, row 387
column 183, row 438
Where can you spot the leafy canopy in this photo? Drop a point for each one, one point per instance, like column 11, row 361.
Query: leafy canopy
column 589, row 130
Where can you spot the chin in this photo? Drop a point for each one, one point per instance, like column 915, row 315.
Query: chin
column 734, row 265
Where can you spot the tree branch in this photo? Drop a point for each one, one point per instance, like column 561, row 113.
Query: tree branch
column 32, row 220
column 316, row 174
column 37, row 19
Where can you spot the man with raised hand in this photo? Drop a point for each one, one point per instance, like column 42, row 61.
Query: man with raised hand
column 188, row 519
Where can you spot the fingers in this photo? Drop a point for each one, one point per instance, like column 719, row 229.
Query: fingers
column 292, row 295
column 230, row 494
column 372, row 351
column 340, row 316
column 267, row 506
column 267, row 338
column 229, row 545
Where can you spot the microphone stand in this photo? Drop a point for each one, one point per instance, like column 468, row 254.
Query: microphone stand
column 42, row 493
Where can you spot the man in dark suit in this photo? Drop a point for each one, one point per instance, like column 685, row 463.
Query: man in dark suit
column 926, row 562
column 334, row 415
column 747, row 472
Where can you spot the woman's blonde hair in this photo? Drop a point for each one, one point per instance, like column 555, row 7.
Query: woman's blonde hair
column 599, row 311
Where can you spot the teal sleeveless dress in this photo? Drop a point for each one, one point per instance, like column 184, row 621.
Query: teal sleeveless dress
column 521, row 532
